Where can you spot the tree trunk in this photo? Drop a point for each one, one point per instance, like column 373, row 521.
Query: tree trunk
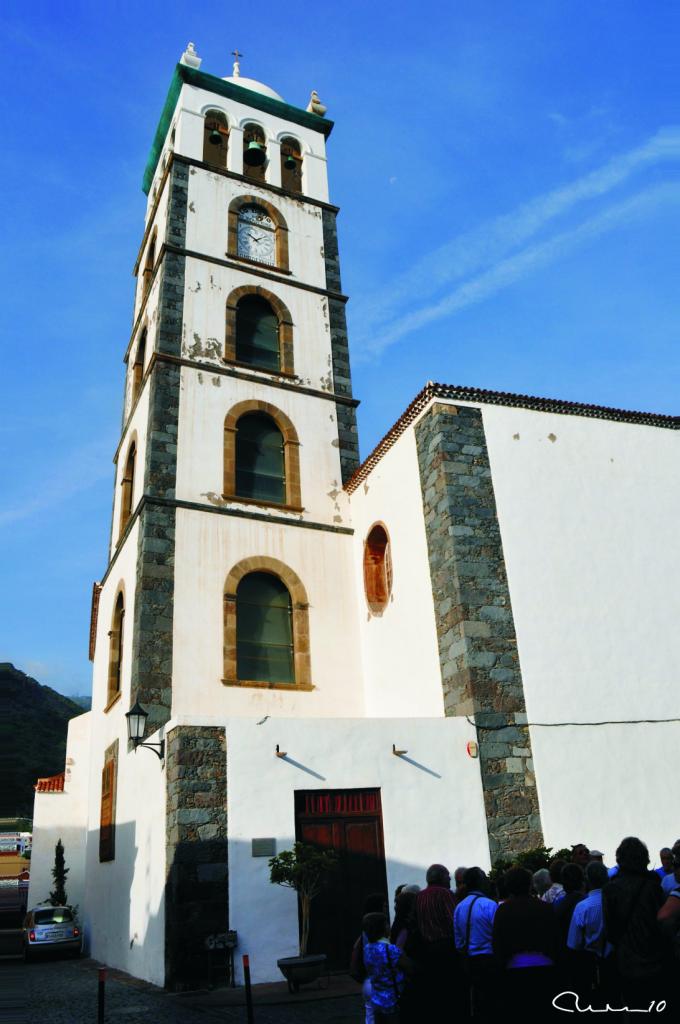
column 306, row 905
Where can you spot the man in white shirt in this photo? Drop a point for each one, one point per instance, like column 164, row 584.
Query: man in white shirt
column 587, row 934
column 473, row 932
column 586, row 930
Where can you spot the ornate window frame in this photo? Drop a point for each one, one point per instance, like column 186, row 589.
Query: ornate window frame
column 283, row 316
column 291, row 454
column 300, row 608
column 127, row 486
column 114, row 681
column 377, row 603
column 281, row 232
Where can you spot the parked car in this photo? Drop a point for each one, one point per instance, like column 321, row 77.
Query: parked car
column 49, row 929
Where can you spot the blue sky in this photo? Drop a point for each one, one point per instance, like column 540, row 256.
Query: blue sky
column 509, row 181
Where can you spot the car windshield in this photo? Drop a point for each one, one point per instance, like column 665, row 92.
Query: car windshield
column 53, row 915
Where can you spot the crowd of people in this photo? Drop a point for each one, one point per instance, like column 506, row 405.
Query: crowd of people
column 576, row 937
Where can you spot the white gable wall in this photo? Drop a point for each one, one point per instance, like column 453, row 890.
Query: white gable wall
column 588, row 511
column 401, row 658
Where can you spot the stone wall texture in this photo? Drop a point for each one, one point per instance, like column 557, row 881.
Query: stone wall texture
column 342, row 377
column 196, row 890
column 152, row 632
column 480, row 668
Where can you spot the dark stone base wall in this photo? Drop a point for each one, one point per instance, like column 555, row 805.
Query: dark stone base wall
column 196, row 891
column 480, row 667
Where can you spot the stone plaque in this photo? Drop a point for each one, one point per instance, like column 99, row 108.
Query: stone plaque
column 264, row 847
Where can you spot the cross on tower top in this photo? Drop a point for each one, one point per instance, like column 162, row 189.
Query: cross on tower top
column 237, row 67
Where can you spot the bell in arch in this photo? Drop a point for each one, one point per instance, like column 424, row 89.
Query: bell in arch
column 254, row 155
column 290, row 163
column 215, row 137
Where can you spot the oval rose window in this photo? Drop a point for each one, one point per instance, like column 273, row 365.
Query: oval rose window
column 377, row 568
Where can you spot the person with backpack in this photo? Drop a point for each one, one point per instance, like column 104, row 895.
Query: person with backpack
column 631, row 902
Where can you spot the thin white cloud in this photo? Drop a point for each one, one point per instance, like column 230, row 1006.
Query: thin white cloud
column 513, row 268
column 489, row 243
column 76, row 472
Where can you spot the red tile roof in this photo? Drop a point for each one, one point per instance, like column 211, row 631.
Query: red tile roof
column 52, row 784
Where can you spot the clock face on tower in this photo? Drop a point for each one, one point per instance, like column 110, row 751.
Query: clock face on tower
column 256, row 235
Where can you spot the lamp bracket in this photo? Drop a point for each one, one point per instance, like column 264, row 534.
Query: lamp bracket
column 158, row 748
column 398, row 753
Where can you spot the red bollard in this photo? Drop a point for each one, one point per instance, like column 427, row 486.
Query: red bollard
column 249, row 993
column 101, row 989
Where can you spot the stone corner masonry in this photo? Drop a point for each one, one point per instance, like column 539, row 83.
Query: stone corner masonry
column 196, row 890
column 480, row 668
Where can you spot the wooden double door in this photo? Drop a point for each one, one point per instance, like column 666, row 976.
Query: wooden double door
column 348, row 821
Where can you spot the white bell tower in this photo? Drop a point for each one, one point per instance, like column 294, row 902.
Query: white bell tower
column 231, row 590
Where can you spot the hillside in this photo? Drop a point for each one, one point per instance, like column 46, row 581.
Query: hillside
column 33, row 726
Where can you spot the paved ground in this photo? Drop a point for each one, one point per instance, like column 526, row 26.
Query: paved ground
column 58, row 991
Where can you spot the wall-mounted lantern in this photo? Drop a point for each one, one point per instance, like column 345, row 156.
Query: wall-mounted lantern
column 136, row 724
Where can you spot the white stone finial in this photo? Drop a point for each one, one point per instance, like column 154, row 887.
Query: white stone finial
column 315, row 106
column 190, row 57
column 237, row 67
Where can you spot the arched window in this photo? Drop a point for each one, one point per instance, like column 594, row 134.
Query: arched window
column 260, row 463
column 377, row 568
column 149, row 265
column 266, row 626
column 257, row 333
column 264, row 630
column 261, row 455
column 258, row 231
column 256, row 235
column 259, row 330
column 138, row 366
column 127, row 488
column 215, row 138
column 116, row 650
column 254, row 152
column 291, row 165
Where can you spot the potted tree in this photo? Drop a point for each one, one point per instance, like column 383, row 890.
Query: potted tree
column 304, row 869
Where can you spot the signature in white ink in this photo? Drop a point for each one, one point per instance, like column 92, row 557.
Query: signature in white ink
column 562, row 998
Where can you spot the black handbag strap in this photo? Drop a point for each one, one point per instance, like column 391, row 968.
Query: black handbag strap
column 466, row 947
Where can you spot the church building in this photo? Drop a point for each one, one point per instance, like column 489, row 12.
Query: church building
column 463, row 646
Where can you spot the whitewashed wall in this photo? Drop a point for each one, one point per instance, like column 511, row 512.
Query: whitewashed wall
column 322, row 560
column 205, row 400
column 433, row 809
column 136, row 431
column 124, row 900
column 401, row 659
column 208, row 287
column 209, row 197
column 588, row 512
column 158, row 226
column 123, row 904
column 63, row 816
column 122, row 576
